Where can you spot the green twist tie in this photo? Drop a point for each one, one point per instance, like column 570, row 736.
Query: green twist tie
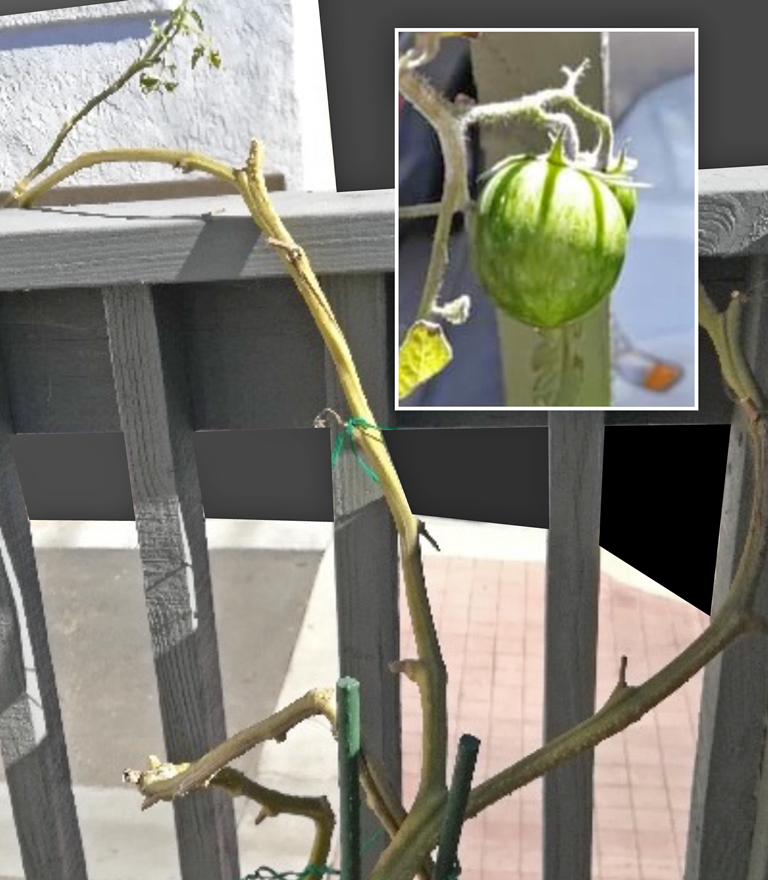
column 346, row 437
column 266, row 873
column 310, row 870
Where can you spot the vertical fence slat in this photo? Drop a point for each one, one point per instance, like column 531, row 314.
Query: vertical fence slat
column 570, row 663
column 365, row 541
column 153, row 401
column 31, row 734
column 734, row 698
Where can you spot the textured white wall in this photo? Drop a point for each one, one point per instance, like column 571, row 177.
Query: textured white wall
column 271, row 86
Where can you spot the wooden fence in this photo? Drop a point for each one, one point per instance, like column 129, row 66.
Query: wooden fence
column 157, row 319
column 154, row 321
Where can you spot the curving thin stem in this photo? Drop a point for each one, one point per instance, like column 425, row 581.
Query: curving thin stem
column 164, row 783
column 274, row 802
column 237, row 784
column 446, row 120
column 535, row 109
column 416, row 212
column 251, row 184
column 184, row 160
column 151, row 55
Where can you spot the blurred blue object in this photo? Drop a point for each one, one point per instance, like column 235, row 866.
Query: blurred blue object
column 654, row 302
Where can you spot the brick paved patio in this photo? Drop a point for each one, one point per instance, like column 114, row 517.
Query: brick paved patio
column 490, row 616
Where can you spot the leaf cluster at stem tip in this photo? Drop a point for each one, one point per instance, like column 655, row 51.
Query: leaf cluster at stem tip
column 184, row 20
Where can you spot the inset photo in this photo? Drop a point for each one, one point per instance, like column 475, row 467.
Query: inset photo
column 547, row 247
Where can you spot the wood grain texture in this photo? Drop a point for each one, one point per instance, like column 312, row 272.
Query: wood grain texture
column 255, row 356
column 733, row 211
column 735, row 691
column 570, row 654
column 57, row 361
column 153, row 399
column 365, row 540
column 32, row 739
column 172, row 241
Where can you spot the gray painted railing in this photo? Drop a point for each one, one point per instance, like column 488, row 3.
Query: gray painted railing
column 159, row 319
column 729, row 809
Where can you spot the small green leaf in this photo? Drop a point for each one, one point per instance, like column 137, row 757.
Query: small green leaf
column 214, row 59
column 425, row 352
column 196, row 15
column 148, row 83
column 197, row 54
column 170, row 86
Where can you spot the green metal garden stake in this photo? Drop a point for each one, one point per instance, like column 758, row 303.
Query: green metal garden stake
column 348, row 709
column 466, row 757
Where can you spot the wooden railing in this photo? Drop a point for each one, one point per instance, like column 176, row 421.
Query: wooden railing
column 160, row 319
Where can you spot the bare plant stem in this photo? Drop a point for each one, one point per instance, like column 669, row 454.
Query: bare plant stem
column 154, row 51
column 537, row 108
column 162, row 785
column 237, row 784
column 415, row 212
column 446, row 121
column 273, row 803
column 184, row 160
column 431, row 677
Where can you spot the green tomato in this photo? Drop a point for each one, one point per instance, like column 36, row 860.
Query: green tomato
column 549, row 238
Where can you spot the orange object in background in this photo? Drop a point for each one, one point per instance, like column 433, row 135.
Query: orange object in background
column 646, row 371
column 639, row 368
column 662, row 376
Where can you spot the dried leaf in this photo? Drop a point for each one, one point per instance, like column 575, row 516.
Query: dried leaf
column 425, row 352
column 456, row 311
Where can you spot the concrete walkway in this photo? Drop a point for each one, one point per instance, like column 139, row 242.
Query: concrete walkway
column 487, row 598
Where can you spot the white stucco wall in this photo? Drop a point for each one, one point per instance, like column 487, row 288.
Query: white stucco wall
column 271, row 86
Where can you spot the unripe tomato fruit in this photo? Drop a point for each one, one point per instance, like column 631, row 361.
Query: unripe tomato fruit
column 549, row 238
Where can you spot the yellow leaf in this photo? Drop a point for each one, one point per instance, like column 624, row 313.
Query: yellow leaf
column 425, row 352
